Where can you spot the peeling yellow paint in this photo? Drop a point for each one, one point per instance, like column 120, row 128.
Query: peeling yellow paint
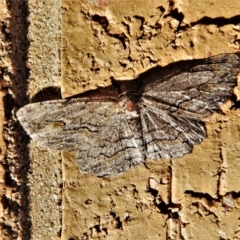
column 187, row 198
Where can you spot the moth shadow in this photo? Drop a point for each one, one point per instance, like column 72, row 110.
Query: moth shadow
column 47, row 94
column 157, row 73
column 154, row 74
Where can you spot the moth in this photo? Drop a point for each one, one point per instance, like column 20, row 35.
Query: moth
column 162, row 121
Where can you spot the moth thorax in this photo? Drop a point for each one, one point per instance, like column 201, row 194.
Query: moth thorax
column 129, row 106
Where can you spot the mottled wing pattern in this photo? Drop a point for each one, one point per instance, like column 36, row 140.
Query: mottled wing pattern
column 172, row 108
column 110, row 136
column 97, row 130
